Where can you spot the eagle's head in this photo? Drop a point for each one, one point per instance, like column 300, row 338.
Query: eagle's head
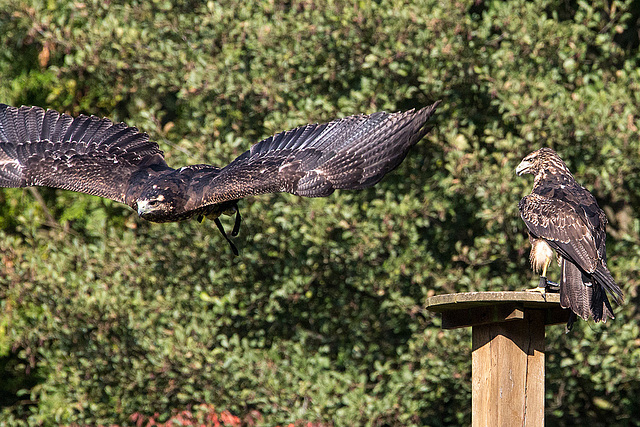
column 162, row 201
column 542, row 161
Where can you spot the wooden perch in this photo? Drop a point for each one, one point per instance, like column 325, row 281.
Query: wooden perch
column 507, row 359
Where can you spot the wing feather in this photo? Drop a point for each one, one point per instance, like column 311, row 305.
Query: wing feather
column 313, row 160
column 562, row 227
column 86, row 154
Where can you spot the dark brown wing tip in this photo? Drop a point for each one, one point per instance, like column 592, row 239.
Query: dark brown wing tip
column 425, row 114
column 433, row 106
column 430, row 109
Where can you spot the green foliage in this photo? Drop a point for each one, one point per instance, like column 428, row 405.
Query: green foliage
column 321, row 317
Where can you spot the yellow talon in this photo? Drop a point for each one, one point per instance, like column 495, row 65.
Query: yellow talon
column 541, row 289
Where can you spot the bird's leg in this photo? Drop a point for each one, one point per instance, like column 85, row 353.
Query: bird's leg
column 548, row 284
column 215, row 216
column 542, row 285
column 236, row 225
column 224, row 233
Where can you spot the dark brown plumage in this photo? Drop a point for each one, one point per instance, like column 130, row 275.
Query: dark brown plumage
column 562, row 215
column 106, row 159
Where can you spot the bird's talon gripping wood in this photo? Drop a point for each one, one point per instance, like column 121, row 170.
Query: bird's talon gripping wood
column 540, row 289
column 96, row 156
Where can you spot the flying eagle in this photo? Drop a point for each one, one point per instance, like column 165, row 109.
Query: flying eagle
column 99, row 157
column 564, row 217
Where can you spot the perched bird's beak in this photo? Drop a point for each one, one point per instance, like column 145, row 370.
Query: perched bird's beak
column 523, row 167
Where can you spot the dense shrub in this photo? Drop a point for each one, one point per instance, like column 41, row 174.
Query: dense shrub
column 321, row 318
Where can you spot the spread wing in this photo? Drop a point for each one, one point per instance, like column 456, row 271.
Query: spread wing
column 313, row 160
column 566, row 231
column 85, row 154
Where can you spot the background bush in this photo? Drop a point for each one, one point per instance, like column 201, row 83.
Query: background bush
column 321, row 318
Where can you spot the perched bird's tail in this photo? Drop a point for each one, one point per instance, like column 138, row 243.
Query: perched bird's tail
column 574, row 294
column 585, row 296
column 604, row 278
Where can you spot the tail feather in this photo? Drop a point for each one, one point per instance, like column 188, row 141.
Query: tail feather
column 573, row 292
column 604, row 278
column 586, row 296
column 600, row 306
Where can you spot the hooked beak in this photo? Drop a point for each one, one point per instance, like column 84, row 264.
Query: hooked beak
column 143, row 207
column 523, row 167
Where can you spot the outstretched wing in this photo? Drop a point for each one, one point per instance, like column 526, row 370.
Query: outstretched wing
column 313, row 160
column 562, row 227
column 85, row 154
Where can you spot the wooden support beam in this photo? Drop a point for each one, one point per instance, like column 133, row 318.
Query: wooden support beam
column 508, row 372
column 507, row 351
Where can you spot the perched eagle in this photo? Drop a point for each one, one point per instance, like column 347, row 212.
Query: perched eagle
column 96, row 156
column 562, row 216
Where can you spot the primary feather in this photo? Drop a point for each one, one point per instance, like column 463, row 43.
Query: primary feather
column 96, row 156
column 85, row 154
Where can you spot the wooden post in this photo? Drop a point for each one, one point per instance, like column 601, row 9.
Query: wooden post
column 507, row 359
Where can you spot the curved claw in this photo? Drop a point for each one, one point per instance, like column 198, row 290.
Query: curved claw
column 542, row 287
column 542, row 291
column 545, row 286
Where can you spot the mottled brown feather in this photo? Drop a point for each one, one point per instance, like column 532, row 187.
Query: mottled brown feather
column 96, row 156
column 86, row 154
column 566, row 216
